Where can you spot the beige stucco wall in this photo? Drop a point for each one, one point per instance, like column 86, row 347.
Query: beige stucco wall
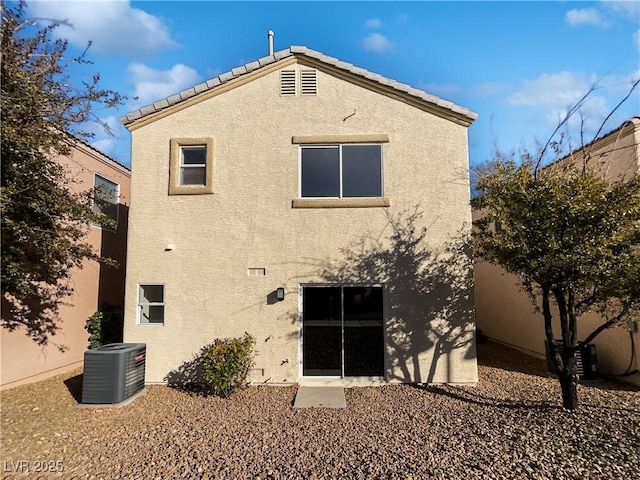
column 506, row 314
column 249, row 222
column 22, row 360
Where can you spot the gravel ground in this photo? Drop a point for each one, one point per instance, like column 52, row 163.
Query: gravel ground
column 509, row 426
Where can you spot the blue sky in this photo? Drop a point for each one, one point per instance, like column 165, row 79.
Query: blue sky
column 519, row 65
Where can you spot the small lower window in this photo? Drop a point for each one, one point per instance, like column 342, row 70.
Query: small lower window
column 151, row 304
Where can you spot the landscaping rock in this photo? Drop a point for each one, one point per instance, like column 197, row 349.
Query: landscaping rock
column 511, row 425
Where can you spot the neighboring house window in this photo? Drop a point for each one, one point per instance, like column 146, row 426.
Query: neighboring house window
column 106, row 196
column 341, row 171
column 151, row 304
column 191, row 166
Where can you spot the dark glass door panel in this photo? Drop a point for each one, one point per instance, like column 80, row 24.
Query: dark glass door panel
column 363, row 332
column 322, row 331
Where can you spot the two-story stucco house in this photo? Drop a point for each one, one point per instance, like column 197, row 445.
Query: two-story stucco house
column 283, row 199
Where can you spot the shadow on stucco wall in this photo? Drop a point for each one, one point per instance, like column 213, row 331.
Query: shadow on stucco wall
column 428, row 295
column 38, row 319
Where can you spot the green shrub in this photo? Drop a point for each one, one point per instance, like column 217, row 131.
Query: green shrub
column 226, row 364
column 104, row 326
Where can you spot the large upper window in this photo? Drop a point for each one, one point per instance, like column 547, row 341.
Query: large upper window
column 191, row 166
column 341, row 171
column 105, row 198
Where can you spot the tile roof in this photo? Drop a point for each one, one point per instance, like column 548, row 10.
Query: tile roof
column 289, row 52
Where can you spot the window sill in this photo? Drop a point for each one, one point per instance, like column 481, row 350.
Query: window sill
column 184, row 190
column 340, row 202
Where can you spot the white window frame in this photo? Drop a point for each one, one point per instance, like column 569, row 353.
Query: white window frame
column 339, row 147
column 139, row 305
column 117, row 219
column 176, row 164
column 183, row 165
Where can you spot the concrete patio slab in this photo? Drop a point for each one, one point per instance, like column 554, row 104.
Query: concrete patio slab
column 324, row 397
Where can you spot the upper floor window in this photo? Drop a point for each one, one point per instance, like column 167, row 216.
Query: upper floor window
column 191, row 166
column 341, row 171
column 106, row 195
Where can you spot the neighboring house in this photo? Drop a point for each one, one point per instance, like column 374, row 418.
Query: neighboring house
column 253, row 194
column 506, row 314
column 24, row 361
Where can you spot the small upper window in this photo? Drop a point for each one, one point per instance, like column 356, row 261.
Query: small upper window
column 341, row 171
column 106, row 196
column 191, row 166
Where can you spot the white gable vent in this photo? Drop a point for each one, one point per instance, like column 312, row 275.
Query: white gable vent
column 308, row 82
column 287, row 82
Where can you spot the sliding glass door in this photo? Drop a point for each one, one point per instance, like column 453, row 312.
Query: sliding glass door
column 342, row 331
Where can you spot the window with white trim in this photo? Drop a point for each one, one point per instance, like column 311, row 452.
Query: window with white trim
column 106, row 196
column 341, row 171
column 151, row 304
column 191, row 166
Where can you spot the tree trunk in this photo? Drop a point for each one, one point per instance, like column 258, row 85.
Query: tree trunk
column 568, row 377
column 568, row 371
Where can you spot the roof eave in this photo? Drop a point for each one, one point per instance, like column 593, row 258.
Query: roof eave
column 332, row 65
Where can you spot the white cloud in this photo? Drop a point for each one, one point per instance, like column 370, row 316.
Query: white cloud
column 114, row 26
column 152, row 85
column 491, row 89
column 627, row 8
column 636, row 39
column 378, row 43
column 105, row 145
column 107, row 133
column 585, row 16
column 108, row 125
column 374, row 23
column 556, row 93
column 441, row 89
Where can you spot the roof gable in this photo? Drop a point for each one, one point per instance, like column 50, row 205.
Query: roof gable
column 303, row 55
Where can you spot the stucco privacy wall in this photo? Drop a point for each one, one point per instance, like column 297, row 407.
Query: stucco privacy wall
column 506, row 314
column 249, row 221
column 23, row 361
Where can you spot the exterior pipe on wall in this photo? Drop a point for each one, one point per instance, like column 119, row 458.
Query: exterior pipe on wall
column 270, row 36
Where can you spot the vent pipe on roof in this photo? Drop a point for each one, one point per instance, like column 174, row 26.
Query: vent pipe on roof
column 270, row 36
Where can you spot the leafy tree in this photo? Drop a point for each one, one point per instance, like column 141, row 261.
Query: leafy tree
column 571, row 236
column 44, row 221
